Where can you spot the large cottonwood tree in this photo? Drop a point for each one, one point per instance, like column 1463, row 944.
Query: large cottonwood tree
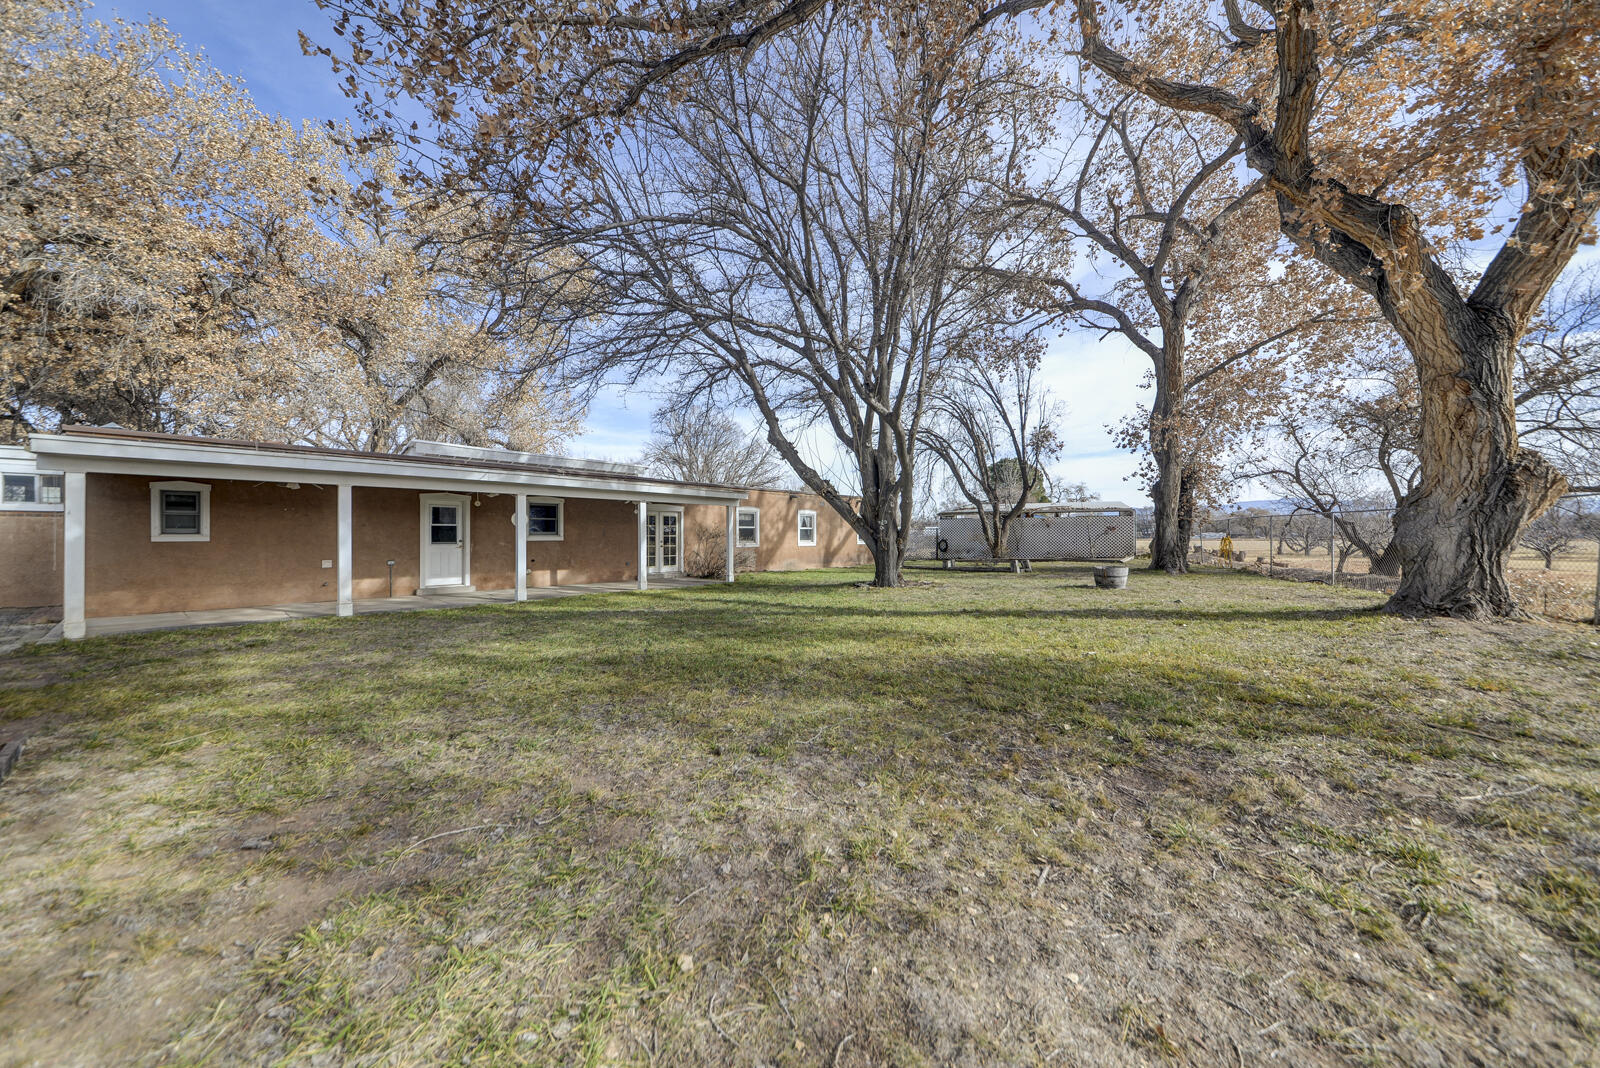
column 173, row 259
column 1384, row 130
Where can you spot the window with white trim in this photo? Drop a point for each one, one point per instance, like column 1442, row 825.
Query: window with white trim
column 748, row 528
column 180, row 511
column 38, row 491
column 808, row 528
column 547, row 520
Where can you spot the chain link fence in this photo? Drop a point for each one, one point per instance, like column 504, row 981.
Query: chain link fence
column 1554, row 571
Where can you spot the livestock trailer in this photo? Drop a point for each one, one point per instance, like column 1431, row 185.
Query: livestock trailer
column 1081, row 530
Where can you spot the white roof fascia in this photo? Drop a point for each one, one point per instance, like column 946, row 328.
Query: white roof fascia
column 88, row 453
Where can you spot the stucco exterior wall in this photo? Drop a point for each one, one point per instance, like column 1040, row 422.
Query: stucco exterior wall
column 267, row 546
column 600, row 545
column 268, row 543
column 780, row 548
column 30, row 559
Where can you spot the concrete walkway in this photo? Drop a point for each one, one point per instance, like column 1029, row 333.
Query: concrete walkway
column 271, row 613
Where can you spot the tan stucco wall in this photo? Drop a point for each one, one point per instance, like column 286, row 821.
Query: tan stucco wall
column 600, row 545
column 267, row 546
column 780, row 548
column 268, row 543
column 30, row 559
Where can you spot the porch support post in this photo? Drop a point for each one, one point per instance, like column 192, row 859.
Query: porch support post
column 519, row 525
column 733, row 530
column 74, row 498
column 347, row 602
column 644, row 548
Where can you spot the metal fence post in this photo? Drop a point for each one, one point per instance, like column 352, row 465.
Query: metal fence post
column 1333, row 556
column 1269, row 543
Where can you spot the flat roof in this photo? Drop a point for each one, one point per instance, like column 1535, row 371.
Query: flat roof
column 1069, row 506
column 116, row 450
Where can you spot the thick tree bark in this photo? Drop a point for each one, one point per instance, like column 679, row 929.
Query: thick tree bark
column 1478, row 489
column 886, row 565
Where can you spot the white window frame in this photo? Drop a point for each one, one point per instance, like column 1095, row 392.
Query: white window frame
column 800, row 527
column 561, row 519
column 754, row 543
column 35, row 505
column 204, row 490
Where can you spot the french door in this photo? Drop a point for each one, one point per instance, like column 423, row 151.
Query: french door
column 664, row 537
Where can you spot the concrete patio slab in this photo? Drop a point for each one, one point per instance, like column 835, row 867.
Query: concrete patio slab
column 222, row 617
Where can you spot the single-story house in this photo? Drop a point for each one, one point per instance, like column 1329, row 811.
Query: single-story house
column 107, row 522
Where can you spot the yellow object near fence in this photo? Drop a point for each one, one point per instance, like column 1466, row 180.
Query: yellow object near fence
column 1225, row 550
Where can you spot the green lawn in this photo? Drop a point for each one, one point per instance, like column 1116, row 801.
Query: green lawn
column 986, row 819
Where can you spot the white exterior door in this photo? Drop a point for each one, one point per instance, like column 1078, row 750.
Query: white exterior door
column 664, row 529
column 445, row 539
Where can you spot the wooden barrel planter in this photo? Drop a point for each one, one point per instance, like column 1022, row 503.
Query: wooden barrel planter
column 1112, row 577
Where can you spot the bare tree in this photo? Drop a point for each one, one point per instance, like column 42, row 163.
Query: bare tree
column 990, row 426
column 700, row 442
column 1558, row 380
column 1182, row 244
column 793, row 229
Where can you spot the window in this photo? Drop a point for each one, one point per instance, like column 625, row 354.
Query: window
column 21, row 489
column 749, row 528
column 180, row 511
column 444, row 525
column 29, row 491
column 808, row 528
column 545, row 519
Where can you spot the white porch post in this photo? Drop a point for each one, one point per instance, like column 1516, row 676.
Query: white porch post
column 347, row 603
column 644, row 548
column 75, row 497
column 520, row 532
column 733, row 531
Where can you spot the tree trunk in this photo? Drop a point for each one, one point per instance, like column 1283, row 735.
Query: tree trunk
column 1478, row 489
column 1168, row 547
column 886, row 564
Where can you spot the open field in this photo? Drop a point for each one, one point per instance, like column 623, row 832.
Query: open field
column 986, row 819
column 1566, row 590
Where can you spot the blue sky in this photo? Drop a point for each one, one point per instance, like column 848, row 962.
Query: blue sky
column 259, row 42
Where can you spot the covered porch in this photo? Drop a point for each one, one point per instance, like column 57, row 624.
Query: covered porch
column 164, row 531
column 221, row 617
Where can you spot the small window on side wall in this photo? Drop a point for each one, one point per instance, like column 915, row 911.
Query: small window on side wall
column 546, row 519
column 749, row 528
column 180, row 511
column 30, row 491
column 808, row 528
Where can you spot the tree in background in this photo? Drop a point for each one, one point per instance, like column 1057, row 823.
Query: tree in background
column 1558, row 380
column 700, row 442
column 171, row 259
column 1358, row 446
column 1429, row 115
column 1180, row 243
column 991, row 426
column 805, row 229
column 134, row 185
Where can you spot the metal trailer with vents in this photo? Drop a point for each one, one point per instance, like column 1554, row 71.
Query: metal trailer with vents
column 1081, row 530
